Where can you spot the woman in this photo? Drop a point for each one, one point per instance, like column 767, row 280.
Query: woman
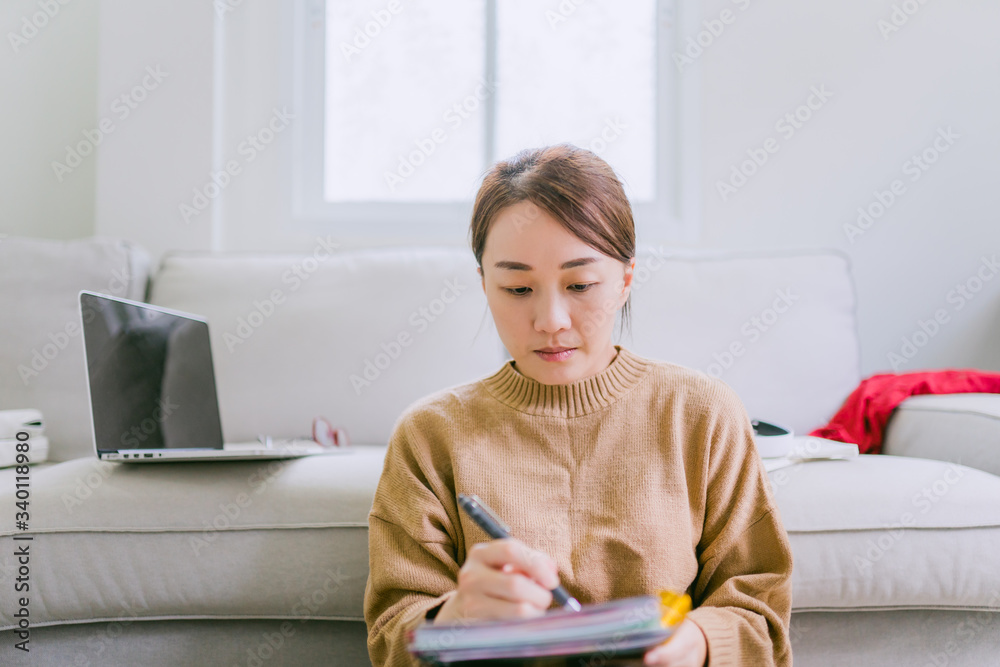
column 618, row 475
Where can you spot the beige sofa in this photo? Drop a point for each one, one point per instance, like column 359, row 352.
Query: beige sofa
column 265, row 563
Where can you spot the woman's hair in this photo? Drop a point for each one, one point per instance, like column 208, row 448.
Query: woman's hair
column 574, row 186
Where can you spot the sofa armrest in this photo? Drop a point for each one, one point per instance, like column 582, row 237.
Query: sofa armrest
column 964, row 428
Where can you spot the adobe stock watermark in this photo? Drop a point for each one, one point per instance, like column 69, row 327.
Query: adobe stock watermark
column 122, row 107
column 644, row 270
column 612, row 129
column 223, row 7
column 248, row 149
column 915, row 166
column 364, row 34
column 807, row 449
column 271, row 642
column 420, row 320
column 307, row 606
column 137, row 435
column 752, row 330
column 263, row 309
column 85, row 486
column 960, row 295
column 967, row 630
column 557, row 535
column 923, row 501
column 641, row 275
column 898, row 17
column 787, row 125
column 229, row 512
column 32, row 25
column 60, row 339
column 798, row 629
column 562, row 12
column 636, row 618
column 712, row 29
column 454, row 117
column 101, row 638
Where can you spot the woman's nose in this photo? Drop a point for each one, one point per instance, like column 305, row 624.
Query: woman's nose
column 552, row 314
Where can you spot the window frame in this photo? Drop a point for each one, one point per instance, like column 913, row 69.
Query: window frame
column 673, row 217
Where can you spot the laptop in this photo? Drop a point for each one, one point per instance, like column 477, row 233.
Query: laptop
column 151, row 388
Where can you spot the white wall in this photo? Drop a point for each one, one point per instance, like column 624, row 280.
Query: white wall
column 940, row 69
column 158, row 56
column 889, row 97
column 48, row 76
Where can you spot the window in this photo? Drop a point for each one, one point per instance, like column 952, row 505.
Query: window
column 407, row 102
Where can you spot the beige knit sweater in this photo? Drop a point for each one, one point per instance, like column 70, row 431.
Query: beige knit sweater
column 640, row 478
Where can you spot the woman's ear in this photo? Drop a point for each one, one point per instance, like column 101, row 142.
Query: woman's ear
column 629, row 272
column 627, row 279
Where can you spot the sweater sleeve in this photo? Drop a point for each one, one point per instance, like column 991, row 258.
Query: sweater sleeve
column 742, row 594
column 411, row 553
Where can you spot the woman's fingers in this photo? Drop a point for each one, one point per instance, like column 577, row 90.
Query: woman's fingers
column 503, row 579
column 509, row 586
column 485, row 606
column 513, row 552
column 687, row 647
column 505, row 584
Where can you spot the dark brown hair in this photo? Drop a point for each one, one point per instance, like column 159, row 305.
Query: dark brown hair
column 574, row 186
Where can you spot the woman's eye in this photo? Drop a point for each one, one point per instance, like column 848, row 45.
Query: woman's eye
column 523, row 291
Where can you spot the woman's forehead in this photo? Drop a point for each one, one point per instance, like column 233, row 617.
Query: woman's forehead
column 535, row 242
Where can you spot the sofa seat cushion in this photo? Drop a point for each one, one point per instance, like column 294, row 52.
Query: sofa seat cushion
column 890, row 532
column 288, row 539
column 964, row 428
column 241, row 539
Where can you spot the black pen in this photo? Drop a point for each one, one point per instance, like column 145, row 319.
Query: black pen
column 486, row 519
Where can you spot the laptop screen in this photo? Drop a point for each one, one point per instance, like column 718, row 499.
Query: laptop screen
column 152, row 385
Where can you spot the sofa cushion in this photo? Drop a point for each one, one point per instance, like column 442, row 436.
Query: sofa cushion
column 355, row 336
column 289, row 539
column 778, row 327
column 241, row 539
column 789, row 317
column 964, row 428
column 890, row 532
column 41, row 358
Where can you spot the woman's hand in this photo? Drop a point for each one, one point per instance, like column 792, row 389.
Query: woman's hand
column 687, row 647
column 501, row 579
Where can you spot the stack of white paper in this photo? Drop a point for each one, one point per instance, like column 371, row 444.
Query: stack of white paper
column 809, row 448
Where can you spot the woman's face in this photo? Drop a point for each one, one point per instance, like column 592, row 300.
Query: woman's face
column 548, row 289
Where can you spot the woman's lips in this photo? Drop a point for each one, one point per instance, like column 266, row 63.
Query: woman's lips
column 556, row 356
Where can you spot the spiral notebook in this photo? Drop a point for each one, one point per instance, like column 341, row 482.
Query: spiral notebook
column 615, row 629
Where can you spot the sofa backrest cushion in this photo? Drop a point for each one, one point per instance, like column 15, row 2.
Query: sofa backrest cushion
column 359, row 335
column 778, row 327
column 355, row 336
column 41, row 355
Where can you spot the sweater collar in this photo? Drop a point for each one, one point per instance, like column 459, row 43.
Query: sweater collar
column 578, row 398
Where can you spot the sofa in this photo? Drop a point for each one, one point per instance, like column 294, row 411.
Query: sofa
column 265, row 562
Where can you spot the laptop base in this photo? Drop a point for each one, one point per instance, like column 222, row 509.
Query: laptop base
column 286, row 449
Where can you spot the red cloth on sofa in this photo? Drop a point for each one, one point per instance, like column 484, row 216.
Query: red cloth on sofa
column 863, row 416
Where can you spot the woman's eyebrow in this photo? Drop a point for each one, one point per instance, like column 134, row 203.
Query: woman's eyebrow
column 518, row 266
